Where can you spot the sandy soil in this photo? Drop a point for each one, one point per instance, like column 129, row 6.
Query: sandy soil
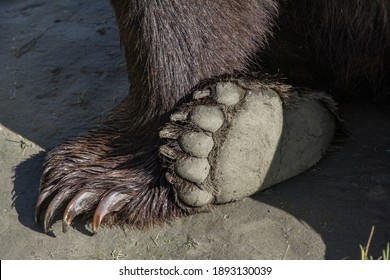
column 62, row 70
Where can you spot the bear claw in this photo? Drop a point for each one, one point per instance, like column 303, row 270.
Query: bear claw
column 79, row 204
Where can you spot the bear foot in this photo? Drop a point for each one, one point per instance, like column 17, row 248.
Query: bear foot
column 233, row 140
column 110, row 175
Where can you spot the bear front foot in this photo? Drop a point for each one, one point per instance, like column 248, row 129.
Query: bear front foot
column 111, row 175
column 102, row 184
column 233, row 140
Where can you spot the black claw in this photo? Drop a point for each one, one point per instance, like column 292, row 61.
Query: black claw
column 55, row 205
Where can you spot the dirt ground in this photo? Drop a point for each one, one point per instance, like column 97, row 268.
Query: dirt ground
column 62, row 70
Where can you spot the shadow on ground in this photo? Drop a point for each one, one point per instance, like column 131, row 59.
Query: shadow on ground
column 348, row 191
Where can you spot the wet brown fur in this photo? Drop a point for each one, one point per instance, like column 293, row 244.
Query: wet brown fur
column 173, row 45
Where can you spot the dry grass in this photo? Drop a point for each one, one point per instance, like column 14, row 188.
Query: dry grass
column 364, row 250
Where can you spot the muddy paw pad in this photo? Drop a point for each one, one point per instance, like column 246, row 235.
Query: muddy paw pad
column 231, row 141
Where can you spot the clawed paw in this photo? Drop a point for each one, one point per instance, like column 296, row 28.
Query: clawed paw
column 107, row 175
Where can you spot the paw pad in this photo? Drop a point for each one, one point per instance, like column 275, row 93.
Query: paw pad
column 197, row 144
column 208, row 118
column 193, row 169
column 231, row 141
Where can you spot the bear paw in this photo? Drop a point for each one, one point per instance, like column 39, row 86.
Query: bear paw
column 233, row 140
